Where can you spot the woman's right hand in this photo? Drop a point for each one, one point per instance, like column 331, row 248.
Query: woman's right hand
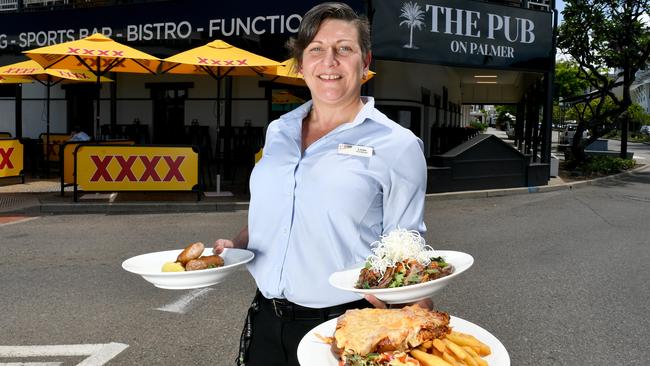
column 221, row 244
column 240, row 241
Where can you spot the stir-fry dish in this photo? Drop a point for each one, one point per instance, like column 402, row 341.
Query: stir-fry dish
column 401, row 258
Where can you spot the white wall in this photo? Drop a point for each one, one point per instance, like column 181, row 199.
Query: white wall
column 640, row 90
column 7, row 116
column 34, row 111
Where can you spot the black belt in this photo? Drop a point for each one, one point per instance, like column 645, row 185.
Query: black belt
column 285, row 309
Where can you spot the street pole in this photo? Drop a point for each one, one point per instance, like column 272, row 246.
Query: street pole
column 626, row 115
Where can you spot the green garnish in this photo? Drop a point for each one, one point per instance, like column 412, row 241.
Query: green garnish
column 414, row 278
column 398, row 280
column 440, row 261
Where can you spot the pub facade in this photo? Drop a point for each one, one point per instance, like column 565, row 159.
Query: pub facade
column 434, row 59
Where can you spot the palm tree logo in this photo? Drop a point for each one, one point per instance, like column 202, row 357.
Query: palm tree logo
column 413, row 18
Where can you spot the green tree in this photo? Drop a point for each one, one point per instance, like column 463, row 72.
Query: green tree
column 568, row 81
column 503, row 115
column 609, row 42
column 638, row 117
column 600, row 114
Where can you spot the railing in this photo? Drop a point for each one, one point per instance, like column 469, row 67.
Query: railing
column 8, row 5
column 43, row 2
column 542, row 5
column 539, row 5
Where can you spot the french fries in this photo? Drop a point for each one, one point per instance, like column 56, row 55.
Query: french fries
column 463, row 339
column 428, row 359
column 455, row 349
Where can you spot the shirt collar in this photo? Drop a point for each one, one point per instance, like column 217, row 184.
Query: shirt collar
column 366, row 112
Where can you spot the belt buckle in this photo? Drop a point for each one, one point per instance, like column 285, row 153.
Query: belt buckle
column 277, row 308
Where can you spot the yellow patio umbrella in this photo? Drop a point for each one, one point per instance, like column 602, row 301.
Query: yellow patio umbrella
column 286, row 74
column 31, row 70
column 217, row 59
column 97, row 54
column 50, row 77
column 284, row 97
column 14, row 80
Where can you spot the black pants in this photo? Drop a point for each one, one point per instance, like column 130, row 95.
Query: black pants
column 275, row 338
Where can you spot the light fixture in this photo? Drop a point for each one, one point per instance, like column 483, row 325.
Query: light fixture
column 486, row 82
column 485, row 76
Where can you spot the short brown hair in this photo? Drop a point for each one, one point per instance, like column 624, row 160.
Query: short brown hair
column 314, row 18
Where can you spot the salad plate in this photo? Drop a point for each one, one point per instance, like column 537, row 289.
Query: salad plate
column 347, row 279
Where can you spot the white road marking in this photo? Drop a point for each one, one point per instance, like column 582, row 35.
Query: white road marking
column 18, row 221
column 183, row 304
column 98, row 354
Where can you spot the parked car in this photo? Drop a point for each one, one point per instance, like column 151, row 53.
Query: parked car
column 645, row 130
column 569, row 131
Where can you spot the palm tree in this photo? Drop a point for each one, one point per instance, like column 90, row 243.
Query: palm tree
column 414, row 16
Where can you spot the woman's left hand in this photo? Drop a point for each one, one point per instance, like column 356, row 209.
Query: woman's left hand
column 424, row 303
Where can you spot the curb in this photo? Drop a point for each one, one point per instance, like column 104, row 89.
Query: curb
column 528, row 190
column 36, row 206
column 139, row 207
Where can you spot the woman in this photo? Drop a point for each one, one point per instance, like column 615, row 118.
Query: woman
column 336, row 174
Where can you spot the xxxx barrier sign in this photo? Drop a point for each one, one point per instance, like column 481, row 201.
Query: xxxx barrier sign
column 67, row 156
column 11, row 158
column 136, row 168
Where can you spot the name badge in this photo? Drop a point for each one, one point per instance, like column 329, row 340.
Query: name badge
column 356, row 150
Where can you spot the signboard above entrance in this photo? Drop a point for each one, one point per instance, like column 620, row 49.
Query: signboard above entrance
column 173, row 23
column 463, row 33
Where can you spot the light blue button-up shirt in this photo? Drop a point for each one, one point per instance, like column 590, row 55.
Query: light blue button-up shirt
column 315, row 212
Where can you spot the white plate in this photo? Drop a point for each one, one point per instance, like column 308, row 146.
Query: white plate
column 345, row 280
column 149, row 266
column 314, row 352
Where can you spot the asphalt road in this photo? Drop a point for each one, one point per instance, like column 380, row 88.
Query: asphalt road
column 561, row 278
column 641, row 151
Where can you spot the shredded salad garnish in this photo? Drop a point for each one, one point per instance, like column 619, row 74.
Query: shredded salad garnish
column 397, row 246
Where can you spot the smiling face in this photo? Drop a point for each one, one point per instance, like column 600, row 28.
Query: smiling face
column 333, row 64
